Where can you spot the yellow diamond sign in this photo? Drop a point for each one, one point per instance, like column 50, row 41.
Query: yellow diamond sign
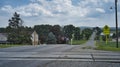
column 106, row 30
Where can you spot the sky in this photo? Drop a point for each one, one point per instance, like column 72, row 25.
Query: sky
column 63, row 12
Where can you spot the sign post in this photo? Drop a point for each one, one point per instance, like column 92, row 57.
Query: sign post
column 106, row 31
column 72, row 38
column 116, row 19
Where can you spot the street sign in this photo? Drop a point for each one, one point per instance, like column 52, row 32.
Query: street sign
column 106, row 30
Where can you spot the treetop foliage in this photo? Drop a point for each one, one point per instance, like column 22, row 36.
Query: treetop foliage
column 18, row 33
column 15, row 21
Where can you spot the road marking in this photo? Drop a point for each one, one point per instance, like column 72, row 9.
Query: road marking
column 59, row 59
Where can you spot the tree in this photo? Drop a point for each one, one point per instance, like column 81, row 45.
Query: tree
column 17, row 33
column 23, row 37
column 43, row 31
column 51, row 39
column 77, row 33
column 86, row 33
column 68, row 30
column 98, row 32
column 114, row 35
column 14, row 28
column 57, row 31
column 119, row 34
column 15, row 21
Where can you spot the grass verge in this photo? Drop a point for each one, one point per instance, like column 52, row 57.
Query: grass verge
column 9, row 45
column 78, row 42
column 111, row 46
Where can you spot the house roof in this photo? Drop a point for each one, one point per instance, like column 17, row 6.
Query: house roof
column 104, row 34
column 3, row 37
column 3, row 34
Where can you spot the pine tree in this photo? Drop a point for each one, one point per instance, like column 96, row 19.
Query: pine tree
column 51, row 38
column 15, row 21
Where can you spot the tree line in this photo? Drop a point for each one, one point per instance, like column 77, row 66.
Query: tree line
column 17, row 33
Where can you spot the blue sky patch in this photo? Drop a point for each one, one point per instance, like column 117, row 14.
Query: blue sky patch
column 62, row 12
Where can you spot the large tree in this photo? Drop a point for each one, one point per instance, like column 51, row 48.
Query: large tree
column 57, row 31
column 15, row 21
column 43, row 31
column 17, row 32
column 98, row 32
column 77, row 33
column 51, row 39
column 68, row 30
column 86, row 33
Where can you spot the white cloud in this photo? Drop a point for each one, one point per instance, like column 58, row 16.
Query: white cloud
column 56, row 8
column 8, row 9
column 106, row 1
column 33, row 9
column 47, row 8
column 100, row 10
column 60, row 11
column 27, row 10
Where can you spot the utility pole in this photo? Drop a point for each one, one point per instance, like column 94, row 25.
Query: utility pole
column 116, row 19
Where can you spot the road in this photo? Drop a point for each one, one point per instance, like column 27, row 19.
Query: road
column 61, row 55
column 91, row 41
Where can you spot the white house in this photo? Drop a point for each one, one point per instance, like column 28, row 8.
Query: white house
column 111, row 34
column 3, row 37
column 114, row 40
column 34, row 38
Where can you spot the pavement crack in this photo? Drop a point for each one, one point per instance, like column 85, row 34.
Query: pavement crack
column 93, row 57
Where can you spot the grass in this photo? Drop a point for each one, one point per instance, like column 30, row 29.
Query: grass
column 8, row 45
column 111, row 46
column 78, row 42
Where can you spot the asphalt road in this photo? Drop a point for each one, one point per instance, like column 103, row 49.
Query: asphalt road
column 61, row 55
column 91, row 42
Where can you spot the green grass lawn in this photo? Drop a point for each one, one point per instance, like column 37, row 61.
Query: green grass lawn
column 78, row 42
column 111, row 46
column 9, row 45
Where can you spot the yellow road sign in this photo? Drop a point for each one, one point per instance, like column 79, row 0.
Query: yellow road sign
column 106, row 30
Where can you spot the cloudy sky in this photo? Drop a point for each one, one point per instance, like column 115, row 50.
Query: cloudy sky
column 63, row 12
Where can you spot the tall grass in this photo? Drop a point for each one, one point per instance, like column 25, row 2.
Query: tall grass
column 111, row 46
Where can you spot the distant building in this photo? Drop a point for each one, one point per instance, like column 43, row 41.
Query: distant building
column 35, row 38
column 3, row 38
column 114, row 40
column 111, row 34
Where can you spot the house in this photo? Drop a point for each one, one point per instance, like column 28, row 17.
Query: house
column 3, row 38
column 102, row 34
column 114, row 40
column 34, row 38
